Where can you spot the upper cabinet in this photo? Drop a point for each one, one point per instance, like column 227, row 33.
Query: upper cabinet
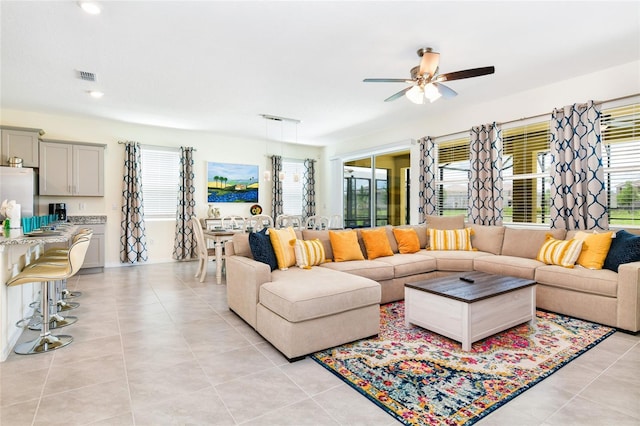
column 21, row 143
column 71, row 169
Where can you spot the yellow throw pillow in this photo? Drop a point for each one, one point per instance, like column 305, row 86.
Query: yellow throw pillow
column 344, row 245
column 407, row 239
column 308, row 253
column 595, row 247
column 450, row 239
column 560, row 252
column 280, row 240
column 376, row 242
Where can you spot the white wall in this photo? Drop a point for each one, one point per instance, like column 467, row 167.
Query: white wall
column 210, row 147
column 619, row 81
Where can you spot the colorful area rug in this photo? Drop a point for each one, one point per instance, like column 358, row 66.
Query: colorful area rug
column 423, row 378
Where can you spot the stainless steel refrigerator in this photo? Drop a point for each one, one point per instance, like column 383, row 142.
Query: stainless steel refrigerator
column 19, row 183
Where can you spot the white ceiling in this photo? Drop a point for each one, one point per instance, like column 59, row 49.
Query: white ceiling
column 216, row 66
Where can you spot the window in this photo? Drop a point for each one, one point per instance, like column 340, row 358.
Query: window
column 452, row 179
column 292, row 187
column 621, row 160
column 525, row 173
column 526, row 165
column 160, row 182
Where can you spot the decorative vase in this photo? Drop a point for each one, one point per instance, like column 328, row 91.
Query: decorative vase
column 211, row 213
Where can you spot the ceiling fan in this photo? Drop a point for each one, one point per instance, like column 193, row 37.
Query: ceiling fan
column 425, row 81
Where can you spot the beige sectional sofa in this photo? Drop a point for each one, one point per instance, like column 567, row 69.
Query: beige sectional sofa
column 301, row 311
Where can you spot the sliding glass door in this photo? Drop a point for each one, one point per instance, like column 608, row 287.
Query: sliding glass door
column 376, row 190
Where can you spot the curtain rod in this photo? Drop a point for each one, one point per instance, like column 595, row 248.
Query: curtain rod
column 539, row 115
column 168, row 148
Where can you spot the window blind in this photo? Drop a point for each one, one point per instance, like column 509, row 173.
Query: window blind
column 292, row 190
column 620, row 129
column 160, row 182
column 453, row 176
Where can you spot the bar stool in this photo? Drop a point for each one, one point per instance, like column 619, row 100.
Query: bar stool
column 45, row 273
column 64, row 293
column 59, row 257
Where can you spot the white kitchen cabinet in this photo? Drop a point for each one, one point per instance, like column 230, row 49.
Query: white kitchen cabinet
column 71, row 169
column 22, row 143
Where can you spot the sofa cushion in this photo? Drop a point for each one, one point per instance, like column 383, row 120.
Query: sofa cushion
column 560, row 252
column 487, row 238
column 282, row 241
column 454, row 260
column 376, row 242
column 308, row 253
column 444, row 222
column 602, row 282
column 625, row 248
column 407, row 240
column 520, row 242
column 295, row 297
column 450, row 239
column 595, row 247
column 520, row 267
column 421, row 231
column 345, row 246
column 374, row 269
column 323, row 236
column 408, row 264
column 241, row 245
column 261, row 248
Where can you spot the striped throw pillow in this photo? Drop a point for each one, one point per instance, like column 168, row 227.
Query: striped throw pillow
column 450, row 239
column 560, row 252
column 309, row 253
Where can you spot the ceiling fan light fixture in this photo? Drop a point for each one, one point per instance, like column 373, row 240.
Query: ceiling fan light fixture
column 415, row 95
column 432, row 93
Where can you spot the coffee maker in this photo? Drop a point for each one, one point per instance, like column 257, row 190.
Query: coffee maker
column 59, row 210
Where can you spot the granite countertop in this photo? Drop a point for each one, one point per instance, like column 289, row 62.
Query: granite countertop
column 15, row 236
column 87, row 220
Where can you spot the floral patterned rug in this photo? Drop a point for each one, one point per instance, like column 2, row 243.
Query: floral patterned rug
column 423, row 378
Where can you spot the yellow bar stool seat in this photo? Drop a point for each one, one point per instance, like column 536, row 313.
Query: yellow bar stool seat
column 46, row 273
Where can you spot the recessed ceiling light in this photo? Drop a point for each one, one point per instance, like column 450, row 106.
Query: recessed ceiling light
column 95, row 94
column 90, row 7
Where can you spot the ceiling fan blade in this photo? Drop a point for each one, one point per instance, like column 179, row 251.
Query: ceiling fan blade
column 459, row 75
column 398, row 95
column 429, row 63
column 445, row 91
column 386, row 80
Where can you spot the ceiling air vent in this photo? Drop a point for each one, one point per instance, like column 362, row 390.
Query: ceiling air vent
column 86, row 75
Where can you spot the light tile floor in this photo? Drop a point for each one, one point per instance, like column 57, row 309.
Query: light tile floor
column 154, row 346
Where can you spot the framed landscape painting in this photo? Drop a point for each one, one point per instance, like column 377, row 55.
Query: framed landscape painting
column 232, row 183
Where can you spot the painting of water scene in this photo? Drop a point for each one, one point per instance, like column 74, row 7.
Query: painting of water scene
column 232, row 183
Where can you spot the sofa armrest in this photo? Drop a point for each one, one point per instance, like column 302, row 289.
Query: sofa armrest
column 244, row 278
column 629, row 296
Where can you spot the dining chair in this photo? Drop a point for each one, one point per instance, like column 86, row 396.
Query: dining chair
column 233, row 222
column 285, row 220
column 204, row 254
column 316, row 222
column 258, row 222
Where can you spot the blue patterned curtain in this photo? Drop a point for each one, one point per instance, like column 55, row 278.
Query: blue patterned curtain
column 133, row 242
column 184, row 247
column 485, row 175
column 427, row 191
column 578, row 195
column 309, row 188
column 276, row 186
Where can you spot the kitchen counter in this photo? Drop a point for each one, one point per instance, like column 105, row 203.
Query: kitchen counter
column 16, row 252
column 87, row 220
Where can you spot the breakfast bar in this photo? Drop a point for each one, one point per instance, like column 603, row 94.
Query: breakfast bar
column 17, row 251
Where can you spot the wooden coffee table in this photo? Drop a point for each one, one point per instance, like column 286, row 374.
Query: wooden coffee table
column 468, row 312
